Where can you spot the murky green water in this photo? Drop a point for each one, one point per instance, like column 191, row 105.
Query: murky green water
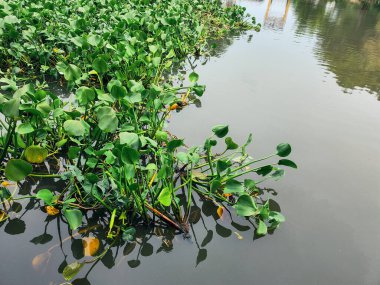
column 311, row 77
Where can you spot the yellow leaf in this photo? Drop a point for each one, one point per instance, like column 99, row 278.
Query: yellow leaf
column 90, row 246
column 3, row 216
column 219, row 211
column 6, row 183
column 51, row 211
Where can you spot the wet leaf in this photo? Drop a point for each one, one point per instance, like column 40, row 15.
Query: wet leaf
column 90, row 246
column 71, row 270
column 74, row 128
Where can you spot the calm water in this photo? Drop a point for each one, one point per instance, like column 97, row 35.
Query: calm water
column 311, row 77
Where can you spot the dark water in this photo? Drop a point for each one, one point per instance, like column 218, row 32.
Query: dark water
column 310, row 78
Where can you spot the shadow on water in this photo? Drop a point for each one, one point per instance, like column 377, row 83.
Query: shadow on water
column 57, row 251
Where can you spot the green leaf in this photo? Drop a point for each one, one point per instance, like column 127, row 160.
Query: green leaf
column 222, row 165
column 24, row 128
column 182, row 157
column 71, row 270
column 130, row 155
column 72, row 72
column 161, row 136
column 108, row 121
column 199, row 90
column 85, row 95
column 230, row 143
column 287, row 162
column 118, row 92
column 262, row 228
column 233, row 186
column 193, row 77
column 45, row 195
column 74, row 128
column 17, row 169
column 215, row 185
column 10, row 108
column 73, row 217
column 220, row 130
column 130, row 139
column 249, row 184
column 129, row 234
column 173, row 144
column 165, row 197
column 284, row 149
column 245, row 206
column 264, row 170
column 36, row 154
column 100, row 65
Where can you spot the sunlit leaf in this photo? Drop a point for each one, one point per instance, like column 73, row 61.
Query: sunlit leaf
column 165, row 197
column 45, row 195
column 90, row 246
column 245, row 206
column 51, row 211
column 262, row 228
column 219, row 211
column 220, row 130
column 74, row 218
column 35, row 154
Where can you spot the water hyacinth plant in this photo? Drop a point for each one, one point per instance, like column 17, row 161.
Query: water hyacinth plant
column 108, row 138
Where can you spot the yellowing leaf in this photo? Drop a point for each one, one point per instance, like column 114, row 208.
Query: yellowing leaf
column 3, row 216
column 219, row 211
column 90, row 246
column 6, row 183
column 51, row 211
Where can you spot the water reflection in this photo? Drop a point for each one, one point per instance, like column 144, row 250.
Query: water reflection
column 348, row 40
column 57, row 246
column 276, row 22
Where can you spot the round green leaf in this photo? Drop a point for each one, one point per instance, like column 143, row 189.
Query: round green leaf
column 45, row 195
column 72, row 72
column 17, row 169
column 262, row 228
column 193, row 77
column 24, row 128
column 245, row 206
column 100, row 65
column 284, row 149
column 74, row 128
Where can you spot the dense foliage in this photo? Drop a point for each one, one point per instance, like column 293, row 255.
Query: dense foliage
column 109, row 137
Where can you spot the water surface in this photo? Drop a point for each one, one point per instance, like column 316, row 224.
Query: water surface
column 310, row 78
